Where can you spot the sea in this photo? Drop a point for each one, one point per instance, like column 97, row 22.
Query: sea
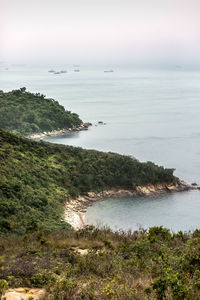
column 149, row 114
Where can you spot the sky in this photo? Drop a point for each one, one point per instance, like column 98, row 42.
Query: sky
column 94, row 32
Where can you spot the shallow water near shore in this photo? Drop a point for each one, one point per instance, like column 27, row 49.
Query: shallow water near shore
column 149, row 114
column 174, row 211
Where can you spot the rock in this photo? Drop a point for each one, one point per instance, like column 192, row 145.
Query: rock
column 80, row 251
column 194, row 184
column 100, row 122
column 24, row 294
column 86, row 125
column 167, row 188
column 75, row 208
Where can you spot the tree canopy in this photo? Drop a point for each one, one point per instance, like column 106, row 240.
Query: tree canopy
column 37, row 178
column 27, row 113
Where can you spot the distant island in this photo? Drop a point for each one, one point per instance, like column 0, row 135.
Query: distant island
column 27, row 113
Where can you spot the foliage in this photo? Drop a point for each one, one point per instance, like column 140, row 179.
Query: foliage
column 37, row 178
column 38, row 249
column 3, row 287
column 27, row 113
column 118, row 272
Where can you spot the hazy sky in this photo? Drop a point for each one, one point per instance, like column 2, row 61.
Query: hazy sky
column 100, row 31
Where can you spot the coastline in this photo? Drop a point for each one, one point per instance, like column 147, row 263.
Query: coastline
column 75, row 209
column 60, row 132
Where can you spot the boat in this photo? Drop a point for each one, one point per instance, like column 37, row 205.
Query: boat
column 108, row 71
column 51, row 71
column 76, row 68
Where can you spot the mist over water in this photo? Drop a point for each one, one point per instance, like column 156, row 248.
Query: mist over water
column 152, row 115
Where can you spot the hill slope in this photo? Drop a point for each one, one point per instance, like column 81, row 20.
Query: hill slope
column 101, row 265
column 27, row 113
column 38, row 177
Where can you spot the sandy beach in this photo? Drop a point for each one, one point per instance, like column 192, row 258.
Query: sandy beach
column 75, row 209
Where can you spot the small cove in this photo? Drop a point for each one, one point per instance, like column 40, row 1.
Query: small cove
column 176, row 211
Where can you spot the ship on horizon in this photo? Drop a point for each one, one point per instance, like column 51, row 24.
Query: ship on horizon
column 76, row 68
column 109, row 71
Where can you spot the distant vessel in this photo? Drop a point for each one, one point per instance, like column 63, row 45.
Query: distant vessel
column 108, row 71
column 58, row 72
column 76, row 68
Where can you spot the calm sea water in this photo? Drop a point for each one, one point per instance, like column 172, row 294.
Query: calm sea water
column 152, row 115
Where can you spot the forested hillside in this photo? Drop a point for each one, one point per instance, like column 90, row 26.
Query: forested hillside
column 27, row 113
column 37, row 178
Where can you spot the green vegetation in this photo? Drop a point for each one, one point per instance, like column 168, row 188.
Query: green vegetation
column 140, row 265
column 37, row 178
column 38, row 249
column 27, row 113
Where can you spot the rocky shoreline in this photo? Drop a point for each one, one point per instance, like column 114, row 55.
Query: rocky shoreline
column 75, row 209
column 60, row 132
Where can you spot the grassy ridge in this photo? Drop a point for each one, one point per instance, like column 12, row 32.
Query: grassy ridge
column 27, row 113
column 37, row 178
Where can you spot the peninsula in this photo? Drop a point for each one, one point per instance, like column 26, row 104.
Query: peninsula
column 38, row 179
column 35, row 115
